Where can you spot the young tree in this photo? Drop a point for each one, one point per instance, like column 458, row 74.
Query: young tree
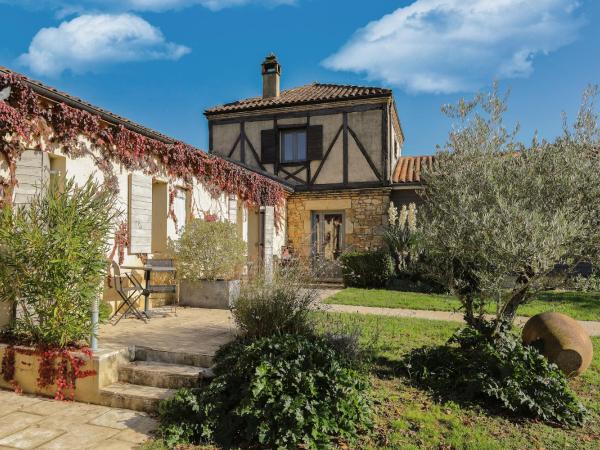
column 499, row 215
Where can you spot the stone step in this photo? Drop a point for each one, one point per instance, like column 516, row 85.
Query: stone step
column 162, row 375
column 133, row 396
column 168, row 357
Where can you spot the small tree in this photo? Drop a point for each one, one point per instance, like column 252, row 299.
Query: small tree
column 500, row 216
column 53, row 260
column 209, row 250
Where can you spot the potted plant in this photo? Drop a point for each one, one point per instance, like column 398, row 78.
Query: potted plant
column 209, row 257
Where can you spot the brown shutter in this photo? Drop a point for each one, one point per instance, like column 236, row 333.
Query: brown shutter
column 269, row 146
column 314, row 142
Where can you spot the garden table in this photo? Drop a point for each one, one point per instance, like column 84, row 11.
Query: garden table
column 148, row 269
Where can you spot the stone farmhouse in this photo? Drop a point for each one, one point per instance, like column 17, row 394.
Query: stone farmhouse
column 339, row 148
column 329, row 155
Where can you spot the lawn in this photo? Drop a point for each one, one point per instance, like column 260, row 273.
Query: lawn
column 579, row 305
column 409, row 418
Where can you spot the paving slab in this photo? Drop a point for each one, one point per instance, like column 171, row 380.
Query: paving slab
column 17, row 421
column 123, row 419
column 31, row 437
column 36, row 422
column 81, row 437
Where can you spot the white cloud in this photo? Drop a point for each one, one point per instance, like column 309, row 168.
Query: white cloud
column 162, row 5
column 447, row 46
column 85, row 42
column 68, row 7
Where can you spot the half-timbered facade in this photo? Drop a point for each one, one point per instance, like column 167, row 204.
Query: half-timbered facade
column 336, row 145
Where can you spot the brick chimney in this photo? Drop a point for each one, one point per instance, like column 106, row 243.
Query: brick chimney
column 271, row 73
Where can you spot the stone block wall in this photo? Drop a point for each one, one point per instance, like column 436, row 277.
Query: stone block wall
column 365, row 215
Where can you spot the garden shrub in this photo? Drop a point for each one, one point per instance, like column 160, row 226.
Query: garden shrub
column 276, row 307
column 367, row 269
column 209, row 250
column 53, row 261
column 278, row 392
column 478, row 366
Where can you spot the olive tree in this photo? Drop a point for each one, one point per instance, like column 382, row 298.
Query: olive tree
column 499, row 216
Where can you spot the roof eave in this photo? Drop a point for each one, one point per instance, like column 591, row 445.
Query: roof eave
column 211, row 113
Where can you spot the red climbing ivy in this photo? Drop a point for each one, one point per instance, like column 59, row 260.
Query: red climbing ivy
column 30, row 121
column 60, row 366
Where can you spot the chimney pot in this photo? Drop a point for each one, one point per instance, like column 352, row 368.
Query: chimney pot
column 271, row 73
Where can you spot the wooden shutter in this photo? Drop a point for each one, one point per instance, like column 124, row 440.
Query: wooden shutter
column 314, row 142
column 140, row 214
column 269, row 238
column 32, row 171
column 269, row 146
column 232, row 208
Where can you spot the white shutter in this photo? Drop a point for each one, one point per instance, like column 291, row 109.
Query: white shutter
column 233, row 208
column 140, row 214
column 32, row 171
column 180, row 208
column 269, row 237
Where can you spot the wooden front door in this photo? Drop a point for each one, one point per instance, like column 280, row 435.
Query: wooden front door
column 327, row 242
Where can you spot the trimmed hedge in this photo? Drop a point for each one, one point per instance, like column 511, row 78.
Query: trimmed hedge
column 367, row 269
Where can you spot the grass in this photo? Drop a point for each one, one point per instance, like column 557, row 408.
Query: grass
column 579, row 305
column 409, row 418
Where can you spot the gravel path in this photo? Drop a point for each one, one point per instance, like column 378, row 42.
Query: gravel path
column 593, row 328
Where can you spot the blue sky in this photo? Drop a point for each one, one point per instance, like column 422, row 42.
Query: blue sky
column 162, row 62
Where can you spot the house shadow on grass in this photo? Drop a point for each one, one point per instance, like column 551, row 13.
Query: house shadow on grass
column 442, row 386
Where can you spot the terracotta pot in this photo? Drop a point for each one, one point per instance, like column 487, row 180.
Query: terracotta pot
column 562, row 340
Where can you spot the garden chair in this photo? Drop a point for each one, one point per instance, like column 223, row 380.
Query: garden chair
column 163, row 266
column 129, row 295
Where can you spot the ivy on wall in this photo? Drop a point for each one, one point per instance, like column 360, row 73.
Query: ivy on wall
column 28, row 120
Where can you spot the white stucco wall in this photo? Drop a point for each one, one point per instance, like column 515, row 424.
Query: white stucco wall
column 202, row 202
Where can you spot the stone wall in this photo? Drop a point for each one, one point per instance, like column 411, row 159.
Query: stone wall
column 365, row 215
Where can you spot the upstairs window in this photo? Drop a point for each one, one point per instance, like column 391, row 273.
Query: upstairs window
column 293, row 145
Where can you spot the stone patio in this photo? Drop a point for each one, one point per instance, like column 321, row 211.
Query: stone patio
column 28, row 422
column 188, row 330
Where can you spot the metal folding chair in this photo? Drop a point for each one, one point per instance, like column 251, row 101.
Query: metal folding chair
column 129, row 295
column 164, row 288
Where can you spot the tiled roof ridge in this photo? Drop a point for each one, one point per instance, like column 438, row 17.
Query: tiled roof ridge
column 408, row 168
column 315, row 92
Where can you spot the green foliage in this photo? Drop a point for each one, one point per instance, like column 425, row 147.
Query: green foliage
column 498, row 369
column 367, row 269
column 402, row 237
column 180, row 418
column 279, row 392
column 501, row 214
column 104, row 312
column 53, row 260
column 276, row 307
column 209, row 251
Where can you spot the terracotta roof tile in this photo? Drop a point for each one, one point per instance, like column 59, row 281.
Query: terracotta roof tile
column 310, row 93
column 408, row 168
